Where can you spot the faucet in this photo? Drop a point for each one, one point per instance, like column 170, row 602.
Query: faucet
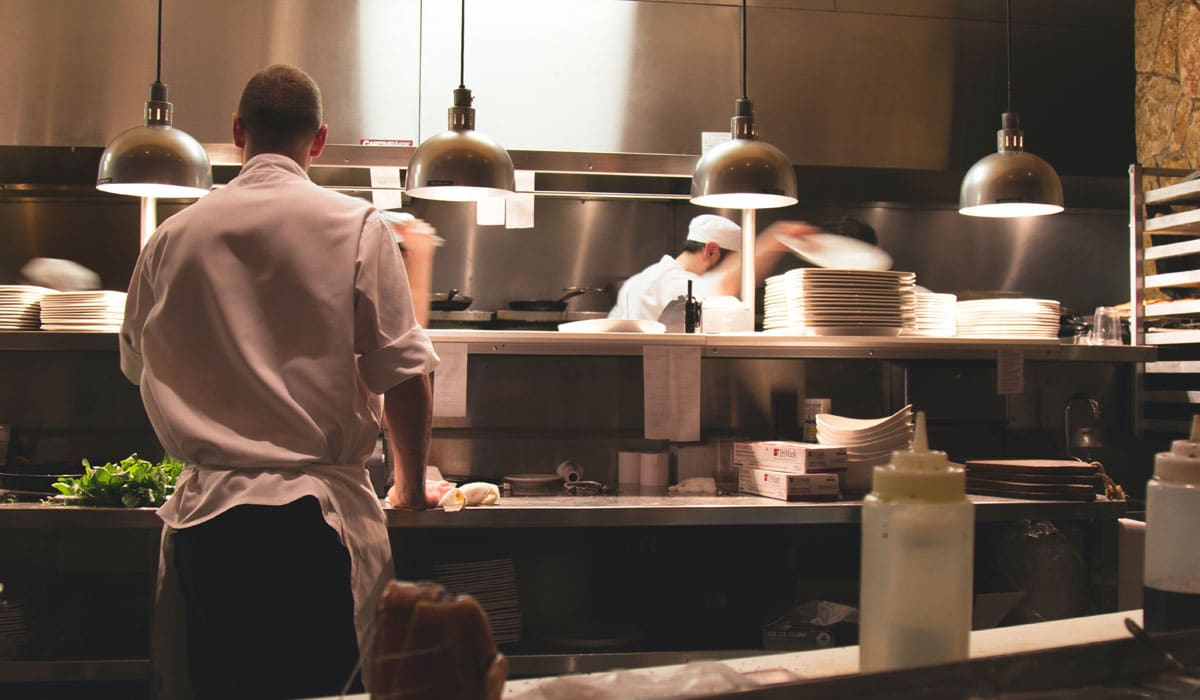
column 1086, row 436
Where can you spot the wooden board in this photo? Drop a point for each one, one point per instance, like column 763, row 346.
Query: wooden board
column 1060, row 467
column 1016, row 489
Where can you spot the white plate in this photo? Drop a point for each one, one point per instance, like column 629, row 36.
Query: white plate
column 825, row 273
column 612, row 325
column 852, row 330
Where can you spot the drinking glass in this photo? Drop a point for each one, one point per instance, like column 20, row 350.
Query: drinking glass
column 1106, row 326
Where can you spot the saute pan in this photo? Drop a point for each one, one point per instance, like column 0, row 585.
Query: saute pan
column 559, row 304
column 449, row 301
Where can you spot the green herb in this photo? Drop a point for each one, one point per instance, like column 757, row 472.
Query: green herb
column 131, row 483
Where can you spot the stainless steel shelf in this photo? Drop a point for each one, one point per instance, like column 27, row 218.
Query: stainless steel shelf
column 46, row 340
column 1172, row 250
column 1180, row 337
column 1173, row 367
column 1181, row 396
column 1186, row 278
column 591, row 512
column 67, row 671
column 1182, row 307
column 1186, row 222
column 1180, row 192
column 746, row 345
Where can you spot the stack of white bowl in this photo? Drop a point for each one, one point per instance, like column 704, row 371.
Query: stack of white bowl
column 869, row 442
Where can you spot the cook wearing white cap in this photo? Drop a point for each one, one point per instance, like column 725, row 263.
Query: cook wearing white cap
column 709, row 260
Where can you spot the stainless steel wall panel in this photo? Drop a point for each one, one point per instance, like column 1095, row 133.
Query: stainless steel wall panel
column 835, row 82
column 80, row 69
column 576, row 243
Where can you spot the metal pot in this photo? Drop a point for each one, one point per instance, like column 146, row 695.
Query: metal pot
column 449, row 301
column 559, row 304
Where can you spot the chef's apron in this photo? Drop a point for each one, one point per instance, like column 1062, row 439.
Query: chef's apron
column 349, row 506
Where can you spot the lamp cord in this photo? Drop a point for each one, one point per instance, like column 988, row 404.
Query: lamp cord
column 462, row 43
column 1008, row 53
column 158, row 58
column 744, row 42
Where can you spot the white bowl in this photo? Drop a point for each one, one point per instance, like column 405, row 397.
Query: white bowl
column 860, row 440
column 863, row 427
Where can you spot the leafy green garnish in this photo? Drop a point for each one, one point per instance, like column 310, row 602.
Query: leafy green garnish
column 131, row 483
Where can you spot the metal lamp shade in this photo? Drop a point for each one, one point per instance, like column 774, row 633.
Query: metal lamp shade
column 155, row 160
column 744, row 173
column 1010, row 183
column 460, row 166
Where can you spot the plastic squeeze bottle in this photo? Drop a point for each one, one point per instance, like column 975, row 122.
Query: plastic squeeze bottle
column 918, row 538
column 1171, row 590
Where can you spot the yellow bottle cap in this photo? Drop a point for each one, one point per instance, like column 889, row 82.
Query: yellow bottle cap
column 919, row 473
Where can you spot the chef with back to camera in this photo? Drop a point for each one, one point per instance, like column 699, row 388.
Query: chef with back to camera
column 710, row 260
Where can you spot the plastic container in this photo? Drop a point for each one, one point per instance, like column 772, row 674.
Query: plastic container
column 1171, row 583
column 918, row 537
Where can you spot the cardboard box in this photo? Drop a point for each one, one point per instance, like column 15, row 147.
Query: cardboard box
column 788, row 486
column 796, row 457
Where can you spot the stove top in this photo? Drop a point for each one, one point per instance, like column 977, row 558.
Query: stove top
column 510, row 316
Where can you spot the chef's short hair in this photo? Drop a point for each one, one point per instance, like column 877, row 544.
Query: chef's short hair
column 280, row 108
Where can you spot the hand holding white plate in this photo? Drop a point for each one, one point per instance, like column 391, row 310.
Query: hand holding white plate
column 833, row 251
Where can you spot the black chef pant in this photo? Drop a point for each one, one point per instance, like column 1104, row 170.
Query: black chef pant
column 270, row 612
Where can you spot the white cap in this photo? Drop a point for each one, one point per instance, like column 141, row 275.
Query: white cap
column 1182, row 463
column 920, row 473
column 718, row 229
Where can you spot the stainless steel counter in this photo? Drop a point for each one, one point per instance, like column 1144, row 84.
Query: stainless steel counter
column 747, row 345
column 593, row 511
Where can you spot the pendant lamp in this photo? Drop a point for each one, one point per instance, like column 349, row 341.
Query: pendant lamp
column 744, row 173
column 460, row 164
column 155, row 159
column 1011, row 182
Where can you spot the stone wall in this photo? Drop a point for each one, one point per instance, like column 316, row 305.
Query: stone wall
column 1167, row 92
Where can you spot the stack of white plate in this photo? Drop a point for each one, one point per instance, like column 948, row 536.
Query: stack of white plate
column 935, row 315
column 493, row 584
column 20, row 306
column 1008, row 318
column 869, row 442
column 83, row 311
column 821, row 301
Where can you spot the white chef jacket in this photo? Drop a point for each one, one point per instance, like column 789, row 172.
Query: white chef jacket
column 646, row 294
column 262, row 324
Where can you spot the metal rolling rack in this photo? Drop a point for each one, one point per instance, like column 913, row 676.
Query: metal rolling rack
column 1166, row 391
